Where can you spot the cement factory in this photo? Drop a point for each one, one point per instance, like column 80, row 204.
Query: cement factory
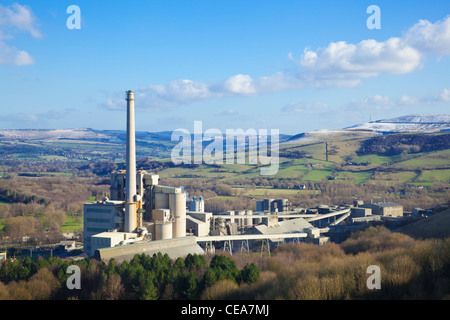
column 142, row 216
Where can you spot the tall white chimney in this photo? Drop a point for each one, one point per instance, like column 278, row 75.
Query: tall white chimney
column 130, row 191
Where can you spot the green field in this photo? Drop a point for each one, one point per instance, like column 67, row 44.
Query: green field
column 356, row 177
column 317, row 175
column 46, row 174
column 310, row 166
column 431, row 176
column 51, row 158
column 72, row 225
column 432, row 160
column 374, row 159
column 278, row 192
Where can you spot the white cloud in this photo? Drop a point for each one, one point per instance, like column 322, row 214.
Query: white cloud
column 372, row 102
column 16, row 18
column 434, row 98
column 340, row 64
column 113, row 104
column 12, row 56
column 408, row 100
column 240, row 84
column 346, row 64
column 184, row 91
column 445, row 95
column 30, row 120
column 227, row 113
column 180, row 90
column 429, row 37
column 301, row 107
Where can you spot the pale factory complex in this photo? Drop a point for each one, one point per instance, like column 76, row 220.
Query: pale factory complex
column 142, row 216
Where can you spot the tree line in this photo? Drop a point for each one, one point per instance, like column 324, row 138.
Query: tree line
column 411, row 269
column 395, row 144
column 142, row 278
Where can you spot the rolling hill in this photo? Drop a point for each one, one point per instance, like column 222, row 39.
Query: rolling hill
column 406, row 154
column 435, row 226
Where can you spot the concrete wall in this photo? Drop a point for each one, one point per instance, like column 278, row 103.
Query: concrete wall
column 198, row 227
column 175, row 248
column 383, row 210
column 393, row 211
column 360, row 212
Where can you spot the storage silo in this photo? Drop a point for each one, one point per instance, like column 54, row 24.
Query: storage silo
column 177, row 206
column 248, row 221
column 241, row 221
column 163, row 230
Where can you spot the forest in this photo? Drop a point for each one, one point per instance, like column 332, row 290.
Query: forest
column 410, row 269
column 41, row 206
column 42, row 196
column 142, row 278
column 409, row 143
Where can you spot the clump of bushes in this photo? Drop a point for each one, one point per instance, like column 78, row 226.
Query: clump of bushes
column 409, row 269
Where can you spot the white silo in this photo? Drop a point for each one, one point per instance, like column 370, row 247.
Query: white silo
column 249, row 221
column 163, row 230
column 177, row 206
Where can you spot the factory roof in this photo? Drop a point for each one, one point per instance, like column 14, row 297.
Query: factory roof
column 106, row 202
column 197, row 221
column 286, row 226
column 176, row 247
column 109, row 234
column 386, row 204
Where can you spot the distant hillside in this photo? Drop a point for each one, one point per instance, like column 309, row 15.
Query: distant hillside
column 435, row 226
column 411, row 143
column 428, row 123
column 410, row 123
column 55, row 134
column 118, row 136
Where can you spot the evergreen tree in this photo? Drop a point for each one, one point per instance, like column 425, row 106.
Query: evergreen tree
column 249, row 274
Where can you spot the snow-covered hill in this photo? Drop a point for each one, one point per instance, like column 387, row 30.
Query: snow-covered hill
column 410, row 123
column 427, row 123
column 76, row 134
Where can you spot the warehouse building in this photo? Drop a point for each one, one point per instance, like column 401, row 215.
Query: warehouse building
column 387, row 209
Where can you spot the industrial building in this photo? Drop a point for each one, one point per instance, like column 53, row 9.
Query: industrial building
column 196, row 205
column 386, row 209
column 273, row 205
column 142, row 216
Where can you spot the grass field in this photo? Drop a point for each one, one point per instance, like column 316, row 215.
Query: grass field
column 275, row 192
column 301, row 169
column 431, row 176
column 72, row 225
column 317, row 175
column 46, row 174
column 51, row 158
column 432, row 160
column 386, row 170
column 356, row 177
column 374, row 159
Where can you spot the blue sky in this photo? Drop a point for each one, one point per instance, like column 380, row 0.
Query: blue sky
column 290, row 65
